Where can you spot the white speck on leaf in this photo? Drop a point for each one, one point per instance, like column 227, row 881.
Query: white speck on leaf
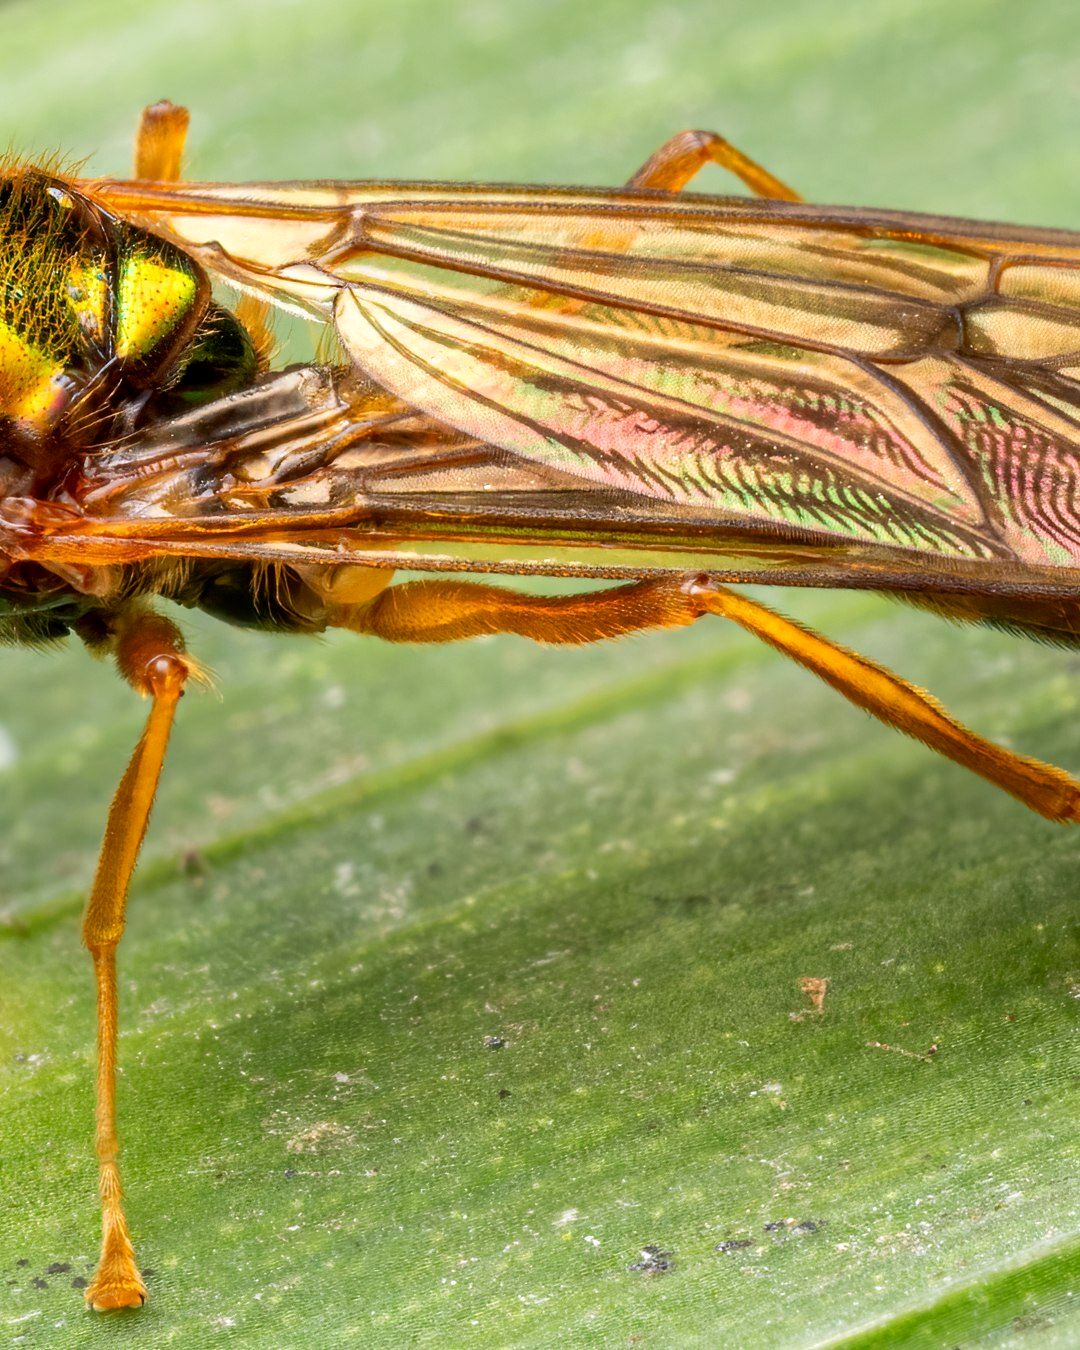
column 333, row 697
column 9, row 751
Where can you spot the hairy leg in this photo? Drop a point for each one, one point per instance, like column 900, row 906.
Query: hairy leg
column 448, row 611
column 159, row 142
column 149, row 652
column 444, row 611
column 159, row 155
column 1043, row 787
column 679, row 159
column 670, row 169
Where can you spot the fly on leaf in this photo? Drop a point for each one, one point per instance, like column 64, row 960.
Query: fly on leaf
column 675, row 393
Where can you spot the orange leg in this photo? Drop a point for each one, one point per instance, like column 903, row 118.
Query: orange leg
column 447, row 611
column 149, row 653
column 159, row 142
column 443, row 611
column 1048, row 790
column 671, row 167
column 159, row 154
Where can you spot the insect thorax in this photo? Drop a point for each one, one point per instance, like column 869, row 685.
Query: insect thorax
column 103, row 328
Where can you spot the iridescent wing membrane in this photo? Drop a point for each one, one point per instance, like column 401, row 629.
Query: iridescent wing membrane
column 830, row 394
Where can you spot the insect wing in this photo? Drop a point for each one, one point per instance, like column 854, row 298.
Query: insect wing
column 883, row 380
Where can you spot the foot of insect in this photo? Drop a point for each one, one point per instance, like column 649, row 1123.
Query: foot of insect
column 117, row 1282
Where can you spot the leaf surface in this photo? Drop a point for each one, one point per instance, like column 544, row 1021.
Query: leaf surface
column 457, row 978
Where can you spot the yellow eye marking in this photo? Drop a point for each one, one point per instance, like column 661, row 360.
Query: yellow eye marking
column 152, row 299
column 33, row 386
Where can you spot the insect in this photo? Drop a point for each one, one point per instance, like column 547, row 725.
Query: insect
column 675, row 393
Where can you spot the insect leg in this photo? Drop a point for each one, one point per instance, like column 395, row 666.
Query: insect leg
column 159, row 142
column 448, row 611
column 1048, row 790
column 149, row 653
column 159, row 153
column 678, row 160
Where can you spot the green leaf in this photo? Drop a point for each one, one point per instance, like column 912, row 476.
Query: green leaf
column 455, row 978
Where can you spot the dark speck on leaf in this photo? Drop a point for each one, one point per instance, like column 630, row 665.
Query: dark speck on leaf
column 149, row 1273
column 503, row 1094
column 786, row 1226
column 290, row 1172
column 474, row 825
column 57, row 1268
column 654, row 1261
column 79, row 1283
column 193, row 864
column 733, row 1245
column 494, row 1042
column 39, row 1283
column 22, row 1261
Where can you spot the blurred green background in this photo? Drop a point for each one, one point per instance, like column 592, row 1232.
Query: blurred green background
column 455, row 977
